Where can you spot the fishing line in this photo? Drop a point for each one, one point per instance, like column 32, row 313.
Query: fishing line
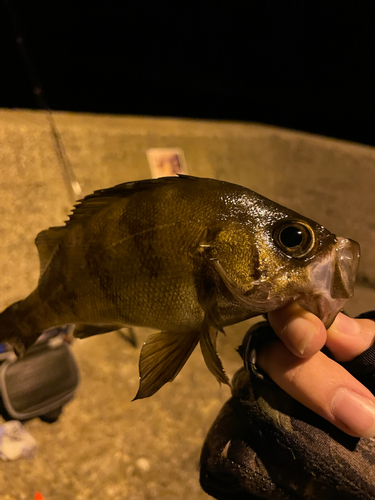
column 72, row 185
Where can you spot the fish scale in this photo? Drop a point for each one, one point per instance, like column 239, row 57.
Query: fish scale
column 184, row 255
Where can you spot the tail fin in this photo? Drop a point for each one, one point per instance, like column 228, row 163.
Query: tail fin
column 11, row 332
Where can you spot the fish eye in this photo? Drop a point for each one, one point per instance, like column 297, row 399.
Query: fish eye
column 294, row 238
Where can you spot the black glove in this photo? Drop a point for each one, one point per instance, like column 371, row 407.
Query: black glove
column 266, row 445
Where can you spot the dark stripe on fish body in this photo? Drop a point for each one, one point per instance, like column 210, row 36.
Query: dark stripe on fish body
column 61, row 290
column 138, row 220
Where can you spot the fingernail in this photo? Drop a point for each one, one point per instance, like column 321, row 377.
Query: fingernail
column 300, row 333
column 355, row 411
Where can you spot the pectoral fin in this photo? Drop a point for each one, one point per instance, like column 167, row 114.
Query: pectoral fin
column 161, row 359
column 207, row 296
column 211, row 357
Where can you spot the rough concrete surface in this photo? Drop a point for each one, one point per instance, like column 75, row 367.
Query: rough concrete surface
column 104, row 445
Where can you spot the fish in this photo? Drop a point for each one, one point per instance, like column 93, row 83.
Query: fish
column 186, row 256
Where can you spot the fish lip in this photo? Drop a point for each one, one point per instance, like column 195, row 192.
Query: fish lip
column 346, row 265
column 332, row 278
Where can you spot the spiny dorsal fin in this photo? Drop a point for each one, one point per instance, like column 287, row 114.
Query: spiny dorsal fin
column 48, row 241
column 161, row 359
column 95, row 202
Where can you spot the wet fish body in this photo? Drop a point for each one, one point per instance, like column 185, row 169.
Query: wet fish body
column 184, row 255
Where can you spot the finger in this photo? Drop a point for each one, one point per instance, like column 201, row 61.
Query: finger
column 301, row 331
column 322, row 385
column 349, row 337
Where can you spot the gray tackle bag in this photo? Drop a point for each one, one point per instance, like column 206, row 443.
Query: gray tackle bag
column 40, row 383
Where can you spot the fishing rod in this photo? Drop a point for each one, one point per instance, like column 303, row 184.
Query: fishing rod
column 72, row 185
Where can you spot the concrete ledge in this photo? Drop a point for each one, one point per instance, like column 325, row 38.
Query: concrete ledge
column 327, row 180
column 104, row 446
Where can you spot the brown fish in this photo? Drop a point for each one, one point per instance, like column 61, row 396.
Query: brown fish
column 183, row 255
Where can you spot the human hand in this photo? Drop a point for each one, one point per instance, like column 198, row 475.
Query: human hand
column 298, row 366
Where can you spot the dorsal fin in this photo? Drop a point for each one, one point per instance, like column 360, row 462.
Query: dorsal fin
column 48, row 241
column 101, row 198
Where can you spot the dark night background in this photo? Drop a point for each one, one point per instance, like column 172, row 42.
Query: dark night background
column 298, row 64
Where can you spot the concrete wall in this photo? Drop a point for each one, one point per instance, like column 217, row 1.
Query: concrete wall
column 105, row 446
column 327, row 180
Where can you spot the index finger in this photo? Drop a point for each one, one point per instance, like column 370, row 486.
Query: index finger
column 301, row 331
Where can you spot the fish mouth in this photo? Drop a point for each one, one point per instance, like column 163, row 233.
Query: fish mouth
column 332, row 279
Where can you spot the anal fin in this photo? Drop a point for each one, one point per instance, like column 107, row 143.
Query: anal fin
column 161, row 359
